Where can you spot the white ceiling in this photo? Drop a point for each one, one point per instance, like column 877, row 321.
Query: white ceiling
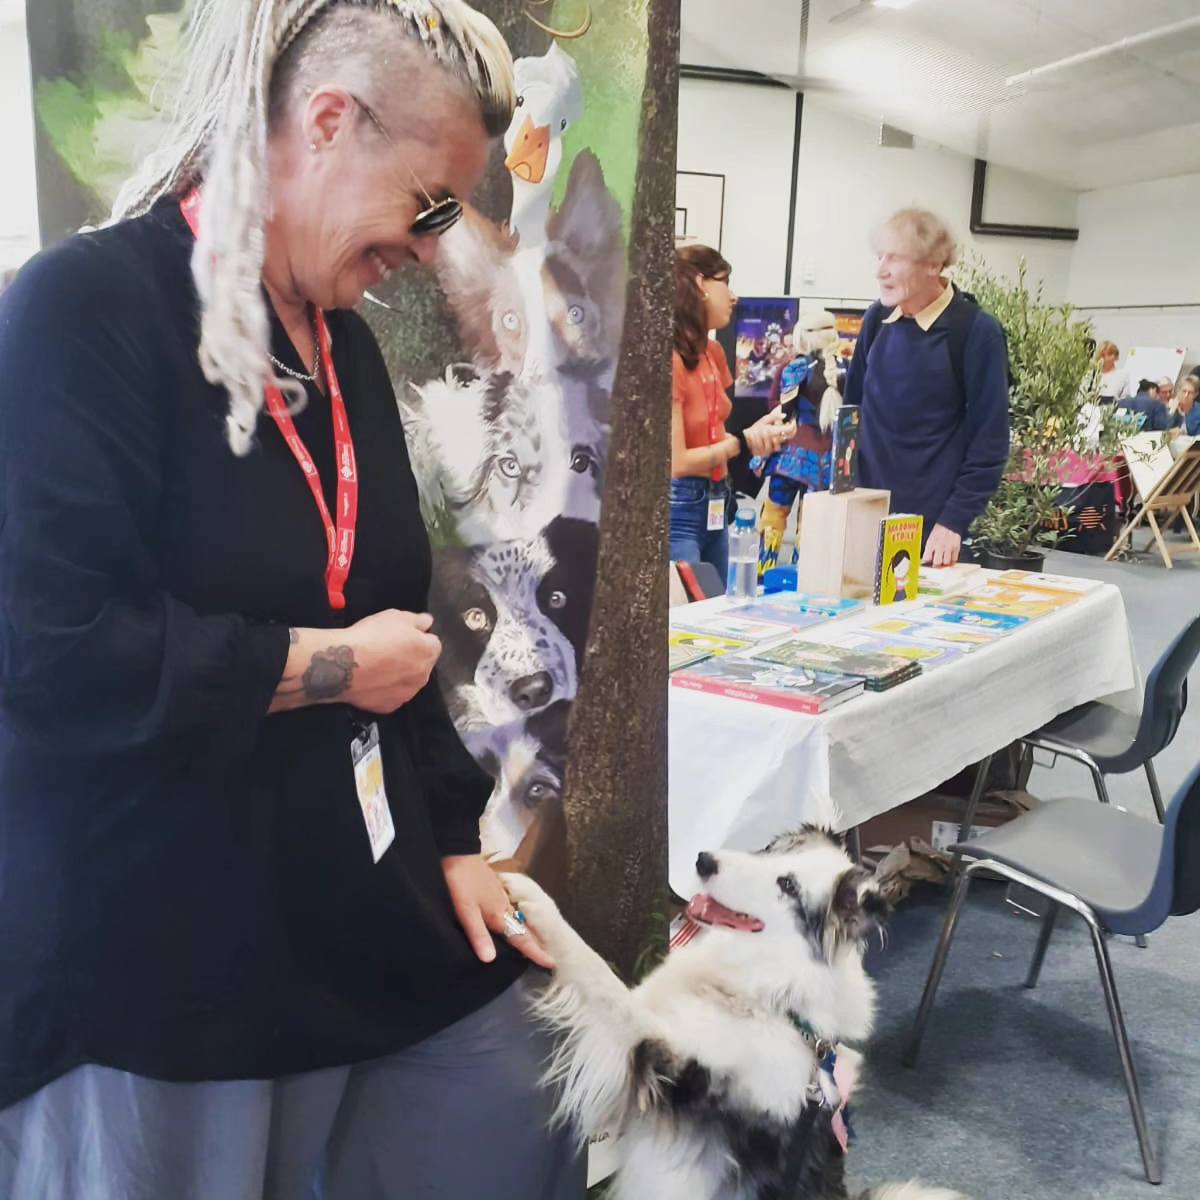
column 938, row 69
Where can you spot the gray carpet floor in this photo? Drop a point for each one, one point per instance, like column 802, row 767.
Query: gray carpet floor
column 1018, row 1094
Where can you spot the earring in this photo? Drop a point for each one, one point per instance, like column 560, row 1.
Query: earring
column 313, row 147
column 705, row 295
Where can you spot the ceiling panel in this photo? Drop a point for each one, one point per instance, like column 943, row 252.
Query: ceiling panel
column 943, row 69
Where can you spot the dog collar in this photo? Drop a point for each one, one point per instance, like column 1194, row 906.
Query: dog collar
column 823, row 1089
column 822, row 1086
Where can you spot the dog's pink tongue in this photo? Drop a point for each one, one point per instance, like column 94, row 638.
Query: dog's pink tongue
column 708, row 911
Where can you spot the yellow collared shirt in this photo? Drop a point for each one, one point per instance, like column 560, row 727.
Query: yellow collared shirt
column 930, row 313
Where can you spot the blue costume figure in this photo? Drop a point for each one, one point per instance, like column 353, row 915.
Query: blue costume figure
column 804, row 464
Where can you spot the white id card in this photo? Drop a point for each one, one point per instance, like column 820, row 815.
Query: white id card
column 716, row 513
column 368, row 779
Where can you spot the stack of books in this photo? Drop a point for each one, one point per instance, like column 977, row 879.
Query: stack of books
column 827, row 608
column 929, row 653
column 950, row 581
column 727, row 624
column 779, row 685
column 879, row 672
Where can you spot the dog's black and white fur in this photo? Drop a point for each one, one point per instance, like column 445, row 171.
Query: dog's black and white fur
column 702, row 1070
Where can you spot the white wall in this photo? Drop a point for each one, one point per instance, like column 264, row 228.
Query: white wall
column 1139, row 245
column 847, row 183
column 745, row 134
column 18, row 196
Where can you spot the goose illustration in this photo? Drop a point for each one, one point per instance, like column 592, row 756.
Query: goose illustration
column 549, row 102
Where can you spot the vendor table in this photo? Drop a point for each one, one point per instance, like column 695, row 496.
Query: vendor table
column 742, row 772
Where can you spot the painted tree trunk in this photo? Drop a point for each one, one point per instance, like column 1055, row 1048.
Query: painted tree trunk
column 616, row 793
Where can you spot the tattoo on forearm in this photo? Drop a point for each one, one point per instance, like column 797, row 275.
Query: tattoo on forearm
column 329, row 673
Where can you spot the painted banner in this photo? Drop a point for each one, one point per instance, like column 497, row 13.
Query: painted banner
column 503, row 360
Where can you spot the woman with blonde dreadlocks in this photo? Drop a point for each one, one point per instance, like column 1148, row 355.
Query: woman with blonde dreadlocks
column 248, row 947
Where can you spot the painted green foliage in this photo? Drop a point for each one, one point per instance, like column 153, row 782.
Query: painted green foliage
column 612, row 63
column 102, row 122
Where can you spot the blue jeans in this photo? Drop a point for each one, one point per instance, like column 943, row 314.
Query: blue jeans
column 691, row 539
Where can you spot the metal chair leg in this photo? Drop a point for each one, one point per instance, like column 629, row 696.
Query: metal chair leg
column 1025, row 768
column 1043, row 942
column 939, row 965
column 964, row 829
column 1149, row 1158
column 1101, row 786
column 1155, row 794
column 854, row 843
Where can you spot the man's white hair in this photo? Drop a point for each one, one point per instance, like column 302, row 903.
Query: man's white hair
column 219, row 134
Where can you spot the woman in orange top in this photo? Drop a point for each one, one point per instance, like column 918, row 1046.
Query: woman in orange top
column 700, row 447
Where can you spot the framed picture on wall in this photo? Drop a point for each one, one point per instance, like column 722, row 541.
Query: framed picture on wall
column 700, row 207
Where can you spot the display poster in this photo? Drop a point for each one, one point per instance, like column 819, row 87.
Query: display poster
column 764, row 329
column 503, row 359
column 848, row 323
column 1153, row 363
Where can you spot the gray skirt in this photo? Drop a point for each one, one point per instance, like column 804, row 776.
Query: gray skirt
column 461, row 1116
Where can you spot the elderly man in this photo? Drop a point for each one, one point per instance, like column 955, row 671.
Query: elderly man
column 930, row 371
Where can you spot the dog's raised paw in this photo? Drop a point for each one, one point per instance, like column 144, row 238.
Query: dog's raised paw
column 529, row 897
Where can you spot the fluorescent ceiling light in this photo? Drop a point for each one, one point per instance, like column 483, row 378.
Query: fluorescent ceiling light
column 892, row 3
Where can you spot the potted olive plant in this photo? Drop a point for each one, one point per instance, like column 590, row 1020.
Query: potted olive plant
column 1053, row 412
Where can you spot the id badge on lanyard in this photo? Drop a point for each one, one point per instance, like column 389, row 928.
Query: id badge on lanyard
column 716, row 432
column 372, row 797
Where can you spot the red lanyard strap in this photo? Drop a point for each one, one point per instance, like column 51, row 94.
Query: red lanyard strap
column 712, row 388
column 339, row 536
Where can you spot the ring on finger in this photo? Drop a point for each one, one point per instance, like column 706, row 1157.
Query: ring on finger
column 514, row 924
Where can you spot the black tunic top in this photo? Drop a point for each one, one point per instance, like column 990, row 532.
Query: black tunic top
column 186, row 884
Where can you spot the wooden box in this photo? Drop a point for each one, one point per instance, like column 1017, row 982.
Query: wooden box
column 839, row 540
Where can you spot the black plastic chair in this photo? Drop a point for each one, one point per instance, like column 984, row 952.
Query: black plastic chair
column 1121, row 873
column 1111, row 742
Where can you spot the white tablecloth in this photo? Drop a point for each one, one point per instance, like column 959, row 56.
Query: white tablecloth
column 742, row 772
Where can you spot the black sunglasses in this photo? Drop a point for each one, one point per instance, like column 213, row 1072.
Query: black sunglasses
column 441, row 214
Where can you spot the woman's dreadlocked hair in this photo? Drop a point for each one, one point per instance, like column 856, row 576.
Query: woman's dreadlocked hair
column 238, row 51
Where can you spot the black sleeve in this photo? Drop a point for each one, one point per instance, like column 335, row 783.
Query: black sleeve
column 456, row 787
column 95, row 655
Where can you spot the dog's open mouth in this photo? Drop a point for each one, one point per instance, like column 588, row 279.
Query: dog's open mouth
column 708, row 911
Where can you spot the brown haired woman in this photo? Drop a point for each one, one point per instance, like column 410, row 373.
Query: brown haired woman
column 700, row 446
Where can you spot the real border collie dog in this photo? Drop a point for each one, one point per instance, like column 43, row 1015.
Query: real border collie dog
column 716, row 1071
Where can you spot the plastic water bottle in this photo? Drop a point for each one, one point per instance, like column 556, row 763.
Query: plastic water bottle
column 742, row 583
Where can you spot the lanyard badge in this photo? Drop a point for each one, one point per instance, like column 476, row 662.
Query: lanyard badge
column 339, row 533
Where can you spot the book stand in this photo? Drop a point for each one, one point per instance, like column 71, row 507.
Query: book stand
column 1171, row 496
column 839, row 539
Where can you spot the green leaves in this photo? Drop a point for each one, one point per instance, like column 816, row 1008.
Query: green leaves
column 1053, row 407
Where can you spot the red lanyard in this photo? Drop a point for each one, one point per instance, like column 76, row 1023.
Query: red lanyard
column 340, row 537
column 712, row 387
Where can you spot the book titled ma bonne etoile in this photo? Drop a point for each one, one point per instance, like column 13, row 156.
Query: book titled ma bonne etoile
column 898, row 560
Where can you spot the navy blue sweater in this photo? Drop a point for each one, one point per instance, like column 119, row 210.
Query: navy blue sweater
column 938, row 447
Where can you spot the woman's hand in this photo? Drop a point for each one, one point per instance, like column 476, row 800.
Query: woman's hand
column 377, row 664
column 768, row 433
column 482, row 904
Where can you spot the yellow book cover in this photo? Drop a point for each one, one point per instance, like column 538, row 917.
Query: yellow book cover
column 1019, row 602
column 709, row 643
column 897, row 566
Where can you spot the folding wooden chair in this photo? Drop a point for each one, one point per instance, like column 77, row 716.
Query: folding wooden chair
column 1171, row 496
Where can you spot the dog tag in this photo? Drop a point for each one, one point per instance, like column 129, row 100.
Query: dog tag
column 372, row 799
